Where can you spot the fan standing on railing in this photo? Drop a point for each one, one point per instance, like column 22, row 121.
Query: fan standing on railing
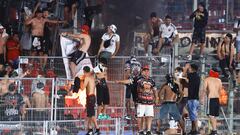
column 80, row 51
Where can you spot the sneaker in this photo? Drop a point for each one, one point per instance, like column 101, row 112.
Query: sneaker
column 90, row 132
column 189, row 57
column 127, row 117
column 213, row 132
column 100, row 116
column 149, row 133
column 97, row 132
column 140, row 133
column 158, row 133
column 194, row 133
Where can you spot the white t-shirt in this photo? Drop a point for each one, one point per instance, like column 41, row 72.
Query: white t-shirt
column 168, row 31
column 237, row 25
column 114, row 40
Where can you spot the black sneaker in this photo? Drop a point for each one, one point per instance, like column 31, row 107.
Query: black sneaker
column 141, row 133
column 90, row 132
column 149, row 133
column 194, row 133
column 213, row 133
column 97, row 132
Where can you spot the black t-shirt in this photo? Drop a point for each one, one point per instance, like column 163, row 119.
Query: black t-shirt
column 193, row 85
column 12, row 106
column 201, row 19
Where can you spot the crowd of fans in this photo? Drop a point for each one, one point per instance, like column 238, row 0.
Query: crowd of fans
column 179, row 97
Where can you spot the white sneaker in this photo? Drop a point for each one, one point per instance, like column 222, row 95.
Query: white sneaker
column 189, row 57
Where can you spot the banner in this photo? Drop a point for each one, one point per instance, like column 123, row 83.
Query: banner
column 68, row 46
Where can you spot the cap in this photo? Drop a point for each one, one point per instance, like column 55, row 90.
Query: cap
column 99, row 69
column 85, row 29
column 146, row 67
column 113, row 28
column 147, row 82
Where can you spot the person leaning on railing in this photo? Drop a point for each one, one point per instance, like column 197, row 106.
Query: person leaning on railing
column 110, row 44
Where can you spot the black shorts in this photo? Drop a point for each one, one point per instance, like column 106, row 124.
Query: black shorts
column 77, row 57
column 37, row 43
column 102, row 93
column 91, row 100
column 130, row 90
column 213, row 107
column 46, row 45
column 226, row 62
column 199, row 36
column 2, row 59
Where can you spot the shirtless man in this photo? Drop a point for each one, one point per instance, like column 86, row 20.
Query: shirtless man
column 103, row 96
column 212, row 87
column 80, row 53
column 39, row 101
column 89, row 84
column 168, row 95
column 37, row 23
column 3, row 39
column 151, row 38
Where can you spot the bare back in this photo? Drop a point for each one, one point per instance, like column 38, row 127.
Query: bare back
column 166, row 94
column 38, row 26
column 212, row 86
column 85, row 42
column 39, row 100
column 90, row 85
column 2, row 44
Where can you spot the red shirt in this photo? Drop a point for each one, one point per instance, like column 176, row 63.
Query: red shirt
column 13, row 51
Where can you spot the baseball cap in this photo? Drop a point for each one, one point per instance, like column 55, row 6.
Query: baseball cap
column 146, row 67
column 147, row 82
column 113, row 28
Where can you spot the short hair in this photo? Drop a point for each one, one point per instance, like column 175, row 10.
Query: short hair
column 179, row 69
column 202, row 4
column 44, row 9
column 194, row 67
column 86, row 69
column 153, row 14
column 39, row 11
column 229, row 35
column 168, row 17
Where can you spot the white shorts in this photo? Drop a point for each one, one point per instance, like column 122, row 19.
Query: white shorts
column 145, row 110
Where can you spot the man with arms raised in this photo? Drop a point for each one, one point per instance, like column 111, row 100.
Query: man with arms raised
column 37, row 23
column 80, row 53
column 3, row 39
column 89, row 84
column 212, row 87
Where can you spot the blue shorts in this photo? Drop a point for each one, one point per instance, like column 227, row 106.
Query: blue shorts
column 193, row 107
column 238, row 45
